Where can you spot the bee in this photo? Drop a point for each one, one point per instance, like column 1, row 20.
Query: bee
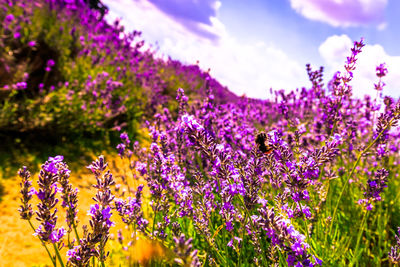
column 263, row 145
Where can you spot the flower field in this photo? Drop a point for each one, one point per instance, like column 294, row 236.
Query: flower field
column 192, row 175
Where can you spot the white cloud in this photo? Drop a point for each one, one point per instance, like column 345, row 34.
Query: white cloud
column 246, row 68
column 193, row 14
column 343, row 13
column 334, row 51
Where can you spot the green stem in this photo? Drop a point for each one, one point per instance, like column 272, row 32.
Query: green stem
column 326, row 210
column 304, row 222
column 360, row 232
column 76, row 233
column 247, row 213
column 225, row 247
column 251, row 223
column 101, row 256
column 154, row 219
column 58, row 255
column 44, row 244
column 353, row 169
column 216, row 251
column 242, row 245
column 210, row 242
column 334, row 124
column 376, row 103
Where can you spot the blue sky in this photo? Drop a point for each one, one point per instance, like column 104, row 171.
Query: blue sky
column 254, row 45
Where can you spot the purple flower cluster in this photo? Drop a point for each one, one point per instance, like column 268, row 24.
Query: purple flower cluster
column 184, row 250
column 131, row 212
column 46, row 214
column 214, row 167
column 123, row 150
column 394, row 254
column 381, row 71
column 374, row 188
column 69, row 196
column 26, row 194
column 53, row 180
column 50, row 63
column 283, row 234
column 195, row 172
column 93, row 243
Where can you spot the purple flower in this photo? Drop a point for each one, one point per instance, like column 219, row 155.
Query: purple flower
column 121, row 148
column 26, row 191
column 372, row 183
column 381, row 150
column 93, row 210
column 50, row 167
column 262, row 201
column 318, row 261
column 306, row 211
column 41, row 194
column 190, row 122
column 9, row 18
column 72, row 253
column 394, row 254
column 38, row 231
column 297, row 247
column 50, row 63
column 381, row 70
column 21, row 86
column 56, row 159
column 336, row 140
column 124, row 137
column 56, row 236
column 374, row 188
column 141, row 168
column 229, row 226
column 106, row 212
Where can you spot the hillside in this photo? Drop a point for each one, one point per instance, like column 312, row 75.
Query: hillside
column 66, row 74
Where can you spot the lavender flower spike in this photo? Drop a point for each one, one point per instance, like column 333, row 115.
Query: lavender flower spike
column 46, row 213
column 394, row 254
column 25, row 209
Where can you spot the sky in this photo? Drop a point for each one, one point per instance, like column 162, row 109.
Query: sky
column 254, row 45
